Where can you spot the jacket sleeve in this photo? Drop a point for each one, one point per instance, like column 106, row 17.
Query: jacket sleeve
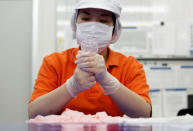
column 136, row 79
column 46, row 80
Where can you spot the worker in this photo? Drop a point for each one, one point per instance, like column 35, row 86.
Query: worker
column 92, row 77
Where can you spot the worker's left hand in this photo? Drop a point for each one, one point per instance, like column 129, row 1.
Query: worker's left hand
column 95, row 63
column 91, row 62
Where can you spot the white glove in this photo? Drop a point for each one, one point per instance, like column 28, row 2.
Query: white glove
column 94, row 63
column 79, row 82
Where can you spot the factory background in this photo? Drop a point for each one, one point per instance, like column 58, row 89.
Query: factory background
column 158, row 33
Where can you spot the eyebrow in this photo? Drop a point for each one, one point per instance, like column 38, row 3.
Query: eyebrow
column 106, row 15
column 85, row 12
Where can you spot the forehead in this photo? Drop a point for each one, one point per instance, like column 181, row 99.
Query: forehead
column 95, row 11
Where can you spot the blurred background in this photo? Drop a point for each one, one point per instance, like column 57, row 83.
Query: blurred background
column 159, row 33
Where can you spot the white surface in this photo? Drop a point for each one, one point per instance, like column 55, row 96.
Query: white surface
column 15, row 59
column 174, row 100
column 132, row 40
column 157, row 103
column 160, row 77
column 179, row 14
column 180, row 123
column 163, row 40
column 186, row 76
column 175, row 78
column 167, row 120
column 183, row 38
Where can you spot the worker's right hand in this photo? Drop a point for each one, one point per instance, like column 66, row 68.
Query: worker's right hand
column 79, row 82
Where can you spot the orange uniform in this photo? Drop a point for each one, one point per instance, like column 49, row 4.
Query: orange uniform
column 58, row 67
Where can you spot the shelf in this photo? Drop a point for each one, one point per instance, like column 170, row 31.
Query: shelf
column 165, row 59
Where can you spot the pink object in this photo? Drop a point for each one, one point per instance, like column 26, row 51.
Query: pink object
column 70, row 116
column 75, row 120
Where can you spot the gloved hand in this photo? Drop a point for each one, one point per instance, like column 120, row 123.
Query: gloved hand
column 94, row 63
column 79, row 82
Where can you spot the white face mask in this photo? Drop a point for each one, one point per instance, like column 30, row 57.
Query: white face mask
column 93, row 36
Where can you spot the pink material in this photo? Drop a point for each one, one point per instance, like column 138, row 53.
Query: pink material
column 70, row 116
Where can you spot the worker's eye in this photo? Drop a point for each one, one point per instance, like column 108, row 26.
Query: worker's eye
column 104, row 21
column 85, row 19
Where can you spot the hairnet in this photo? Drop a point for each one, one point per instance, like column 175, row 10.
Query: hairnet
column 109, row 5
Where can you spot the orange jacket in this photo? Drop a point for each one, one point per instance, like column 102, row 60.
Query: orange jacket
column 58, row 67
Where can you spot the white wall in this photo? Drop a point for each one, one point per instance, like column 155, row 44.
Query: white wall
column 44, row 36
column 178, row 18
column 175, row 10
column 20, row 54
column 15, row 59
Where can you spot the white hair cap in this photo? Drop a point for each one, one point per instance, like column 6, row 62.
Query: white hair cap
column 113, row 6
